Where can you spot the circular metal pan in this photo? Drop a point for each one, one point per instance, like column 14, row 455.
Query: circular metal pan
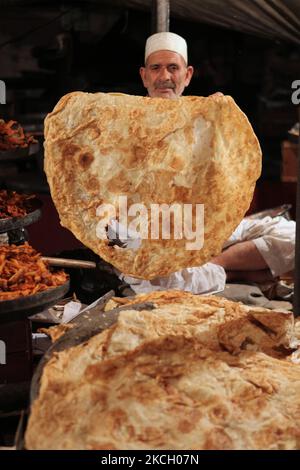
column 19, row 153
column 13, row 223
column 30, row 304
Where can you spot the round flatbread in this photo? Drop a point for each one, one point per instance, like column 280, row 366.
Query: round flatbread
column 111, row 155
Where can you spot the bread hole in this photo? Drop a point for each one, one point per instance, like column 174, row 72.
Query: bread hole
column 113, row 240
column 118, row 236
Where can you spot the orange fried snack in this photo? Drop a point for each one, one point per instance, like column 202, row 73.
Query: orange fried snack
column 13, row 204
column 23, row 272
column 12, row 136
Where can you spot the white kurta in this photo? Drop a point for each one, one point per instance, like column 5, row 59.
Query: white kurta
column 273, row 237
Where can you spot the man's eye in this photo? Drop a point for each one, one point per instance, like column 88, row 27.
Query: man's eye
column 173, row 68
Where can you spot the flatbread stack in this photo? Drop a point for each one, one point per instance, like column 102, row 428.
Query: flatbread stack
column 192, row 373
column 190, row 151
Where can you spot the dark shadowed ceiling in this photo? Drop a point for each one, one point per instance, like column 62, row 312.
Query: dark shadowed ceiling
column 272, row 18
column 276, row 19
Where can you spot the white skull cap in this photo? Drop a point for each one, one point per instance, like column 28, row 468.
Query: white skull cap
column 166, row 41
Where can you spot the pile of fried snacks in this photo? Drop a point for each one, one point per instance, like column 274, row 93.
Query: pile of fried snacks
column 23, row 272
column 13, row 204
column 12, row 136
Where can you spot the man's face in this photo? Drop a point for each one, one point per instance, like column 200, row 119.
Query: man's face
column 165, row 74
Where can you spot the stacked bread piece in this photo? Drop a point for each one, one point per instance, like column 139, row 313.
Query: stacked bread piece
column 190, row 373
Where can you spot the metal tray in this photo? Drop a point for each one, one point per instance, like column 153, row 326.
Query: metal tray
column 19, row 153
column 92, row 322
column 13, row 223
column 27, row 306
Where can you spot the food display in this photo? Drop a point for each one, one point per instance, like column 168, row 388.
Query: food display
column 13, row 204
column 12, row 136
column 192, row 373
column 187, row 152
column 159, row 188
column 24, row 273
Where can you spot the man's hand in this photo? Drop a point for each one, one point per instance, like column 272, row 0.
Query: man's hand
column 243, row 256
column 260, row 276
column 243, row 262
column 216, row 95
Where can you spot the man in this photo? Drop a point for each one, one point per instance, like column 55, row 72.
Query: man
column 166, row 73
column 258, row 250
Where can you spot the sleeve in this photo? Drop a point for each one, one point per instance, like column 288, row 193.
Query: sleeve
column 273, row 237
column 207, row 279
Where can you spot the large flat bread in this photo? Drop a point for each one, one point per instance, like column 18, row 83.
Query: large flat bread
column 197, row 373
column 193, row 150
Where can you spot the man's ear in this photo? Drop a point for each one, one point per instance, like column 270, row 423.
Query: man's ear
column 189, row 74
column 142, row 74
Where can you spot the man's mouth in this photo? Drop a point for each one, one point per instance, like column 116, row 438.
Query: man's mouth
column 164, row 89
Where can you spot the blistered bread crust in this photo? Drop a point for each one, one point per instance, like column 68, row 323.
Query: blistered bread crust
column 192, row 150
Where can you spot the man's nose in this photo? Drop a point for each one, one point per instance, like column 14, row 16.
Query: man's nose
column 164, row 74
